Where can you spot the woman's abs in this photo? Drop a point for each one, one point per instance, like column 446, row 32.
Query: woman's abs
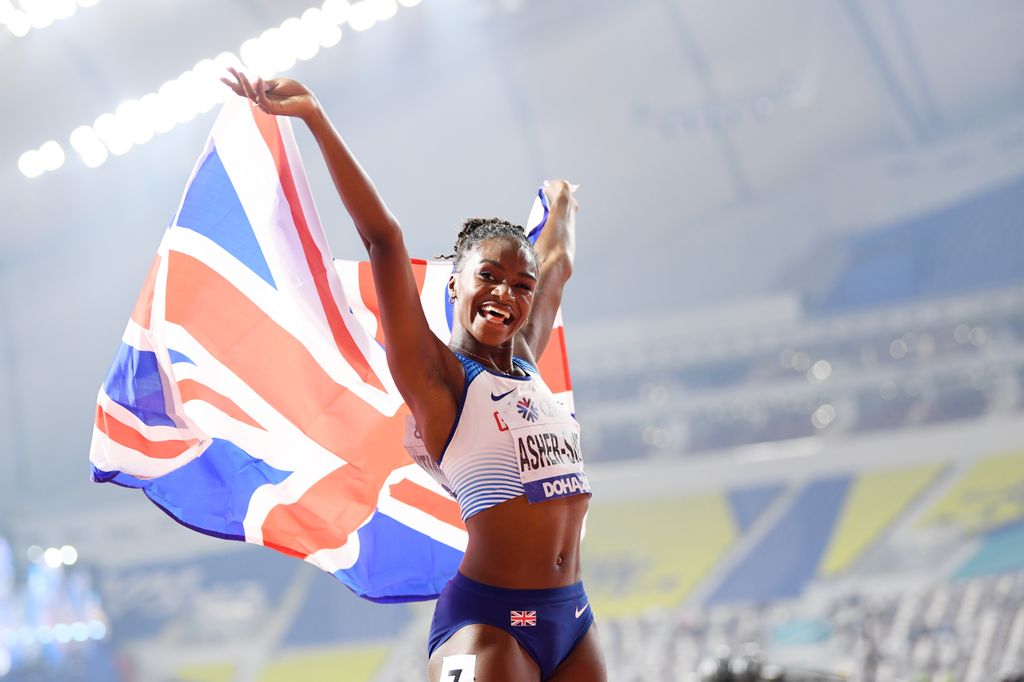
column 520, row 545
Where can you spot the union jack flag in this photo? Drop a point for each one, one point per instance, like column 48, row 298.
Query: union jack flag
column 250, row 396
column 523, row 618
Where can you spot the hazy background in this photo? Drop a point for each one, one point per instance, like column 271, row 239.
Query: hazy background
column 754, row 176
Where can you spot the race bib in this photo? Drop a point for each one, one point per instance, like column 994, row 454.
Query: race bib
column 547, row 446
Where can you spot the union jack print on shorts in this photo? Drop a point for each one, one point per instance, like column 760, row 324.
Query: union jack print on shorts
column 523, row 618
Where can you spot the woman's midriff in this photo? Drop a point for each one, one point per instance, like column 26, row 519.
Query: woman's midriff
column 519, row 545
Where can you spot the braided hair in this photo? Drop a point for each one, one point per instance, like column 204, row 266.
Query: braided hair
column 477, row 230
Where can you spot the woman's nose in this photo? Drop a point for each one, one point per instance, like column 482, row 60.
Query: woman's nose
column 503, row 290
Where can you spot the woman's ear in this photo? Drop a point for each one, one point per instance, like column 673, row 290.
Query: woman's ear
column 451, row 288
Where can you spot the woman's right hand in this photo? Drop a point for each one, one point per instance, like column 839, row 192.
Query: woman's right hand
column 277, row 96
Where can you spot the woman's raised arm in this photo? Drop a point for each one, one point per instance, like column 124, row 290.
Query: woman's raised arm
column 285, row 97
column 556, row 252
column 422, row 367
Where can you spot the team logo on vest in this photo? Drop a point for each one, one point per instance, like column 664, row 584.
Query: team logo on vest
column 527, row 410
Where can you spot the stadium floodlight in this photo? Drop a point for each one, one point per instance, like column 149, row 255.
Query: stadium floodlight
column 26, row 635
column 52, row 155
column 384, row 9
column 337, row 11
column 132, row 119
column 327, row 33
column 362, row 16
column 62, row 9
column 301, row 37
column 19, row 25
column 90, row 148
column 52, row 557
column 136, row 122
column 44, row 634
column 207, row 90
column 110, row 132
column 97, row 630
column 31, row 164
column 79, row 631
column 279, row 54
column 68, row 555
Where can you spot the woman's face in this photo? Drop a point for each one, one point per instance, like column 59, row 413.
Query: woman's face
column 494, row 290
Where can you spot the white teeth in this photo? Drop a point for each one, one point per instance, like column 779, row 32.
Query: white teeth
column 488, row 308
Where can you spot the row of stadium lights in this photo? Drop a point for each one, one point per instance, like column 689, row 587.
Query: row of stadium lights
column 197, row 91
column 54, row 557
column 61, row 633
column 45, row 635
column 36, row 14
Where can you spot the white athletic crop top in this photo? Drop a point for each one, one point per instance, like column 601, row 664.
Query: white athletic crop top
column 511, row 437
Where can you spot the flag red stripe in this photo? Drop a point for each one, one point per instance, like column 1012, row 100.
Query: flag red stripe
column 190, row 389
column 554, row 363
column 122, row 434
column 144, row 303
column 314, row 258
column 368, row 292
column 441, row 507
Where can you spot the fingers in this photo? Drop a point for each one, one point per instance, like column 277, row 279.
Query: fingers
column 241, row 85
column 262, row 101
column 236, row 85
column 256, row 94
column 561, row 183
column 562, row 192
column 250, row 92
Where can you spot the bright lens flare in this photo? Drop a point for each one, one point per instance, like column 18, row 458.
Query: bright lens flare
column 136, row 122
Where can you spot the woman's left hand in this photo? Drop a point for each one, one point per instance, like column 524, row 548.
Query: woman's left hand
column 561, row 190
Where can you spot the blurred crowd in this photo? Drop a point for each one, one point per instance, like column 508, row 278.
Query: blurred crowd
column 847, row 375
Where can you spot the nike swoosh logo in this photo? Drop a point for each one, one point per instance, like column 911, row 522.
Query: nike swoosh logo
column 579, row 612
column 499, row 397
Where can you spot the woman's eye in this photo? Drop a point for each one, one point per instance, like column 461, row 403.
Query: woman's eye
column 486, row 274
column 524, row 287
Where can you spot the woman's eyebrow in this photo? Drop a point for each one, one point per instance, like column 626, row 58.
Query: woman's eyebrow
column 521, row 274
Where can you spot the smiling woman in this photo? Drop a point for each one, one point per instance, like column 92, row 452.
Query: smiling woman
column 486, row 426
column 496, row 272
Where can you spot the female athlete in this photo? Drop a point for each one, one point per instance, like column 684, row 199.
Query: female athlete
column 492, row 432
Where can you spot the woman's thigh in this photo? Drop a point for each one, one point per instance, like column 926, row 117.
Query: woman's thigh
column 585, row 662
column 497, row 657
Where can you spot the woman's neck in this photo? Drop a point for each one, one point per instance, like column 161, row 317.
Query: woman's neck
column 498, row 359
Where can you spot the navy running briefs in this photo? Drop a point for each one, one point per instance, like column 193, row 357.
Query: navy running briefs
column 547, row 623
